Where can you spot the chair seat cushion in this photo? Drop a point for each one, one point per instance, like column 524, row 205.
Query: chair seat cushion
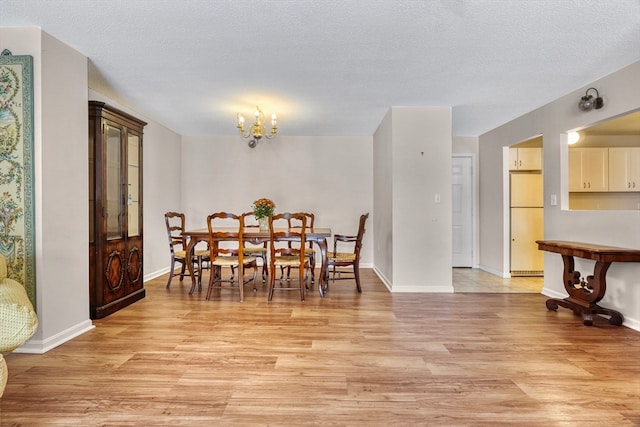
column 231, row 261
column 201, row 252
column 256, row 250
column 18, row 320
column 341, row 256
column 289, row 260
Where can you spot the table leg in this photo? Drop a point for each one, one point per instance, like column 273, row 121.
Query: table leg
column 188, row 259
column 323, row 283
column 585, row 294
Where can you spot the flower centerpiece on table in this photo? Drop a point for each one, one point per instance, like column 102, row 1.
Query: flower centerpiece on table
column 263, row 209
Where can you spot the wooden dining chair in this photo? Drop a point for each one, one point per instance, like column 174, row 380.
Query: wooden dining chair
column 340, row 257
column 226, row 249
column 308, row 250
column 256, row 248
column 175, row 223
column 280, row 230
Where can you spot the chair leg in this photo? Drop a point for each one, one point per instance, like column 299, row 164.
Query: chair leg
column 255, row 274
column 240, row 281
column 173, row 266
column 303, row 282
column 272, row 284
column 183, row 270
column 265, row 269
column 212, row 279
column 356, row 272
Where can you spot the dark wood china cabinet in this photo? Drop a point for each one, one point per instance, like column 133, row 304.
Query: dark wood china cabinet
column 115, row 209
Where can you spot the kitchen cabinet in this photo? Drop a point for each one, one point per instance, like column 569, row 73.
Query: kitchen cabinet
column 529, row 158
column 624, row 169
column 115, row 209
column 588, row 169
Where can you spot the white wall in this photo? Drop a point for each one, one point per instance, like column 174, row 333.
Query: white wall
column 615, row 228
column 329, row 176
column 60, row 185
column 383, row 200
column 420, row 147
column 465, row 145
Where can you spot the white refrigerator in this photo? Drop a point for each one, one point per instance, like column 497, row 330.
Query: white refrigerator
column 527, row 224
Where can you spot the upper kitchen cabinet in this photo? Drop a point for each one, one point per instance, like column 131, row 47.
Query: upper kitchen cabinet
column 588, row 169
column 604, row 165
column 624, row 169
column 526, row 158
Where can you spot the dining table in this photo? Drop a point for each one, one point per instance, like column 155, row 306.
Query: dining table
column 255, row 236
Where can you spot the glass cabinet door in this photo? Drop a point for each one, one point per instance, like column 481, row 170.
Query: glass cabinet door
column 113, row 184
column 133, row 176
column 92, row 183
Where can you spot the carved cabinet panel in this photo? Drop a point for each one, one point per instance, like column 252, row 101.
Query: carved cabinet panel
column 115, row 209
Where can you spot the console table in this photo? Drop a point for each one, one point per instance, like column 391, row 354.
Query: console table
column 585, row 294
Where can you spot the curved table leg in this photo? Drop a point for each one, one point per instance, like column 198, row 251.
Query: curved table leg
column 584, row 295
column 323, row 282
column 188, row 259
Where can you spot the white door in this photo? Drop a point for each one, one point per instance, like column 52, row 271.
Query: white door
column 462, row 206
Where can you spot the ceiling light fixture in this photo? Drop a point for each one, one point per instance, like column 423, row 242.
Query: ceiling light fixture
column 257, row 130
column 587, row 102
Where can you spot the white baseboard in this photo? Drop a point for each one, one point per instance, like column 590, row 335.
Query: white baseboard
column 495, row 272
column 552, row 293
column 382, row 277
column 35, row 346
column 412, row 288
column 154, row 274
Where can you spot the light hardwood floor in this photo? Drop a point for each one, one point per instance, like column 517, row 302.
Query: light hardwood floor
column 473, row 280
column 376, row 358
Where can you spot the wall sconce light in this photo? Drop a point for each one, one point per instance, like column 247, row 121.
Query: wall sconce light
column 587, row 102
column 257, row 130
column 573, row 137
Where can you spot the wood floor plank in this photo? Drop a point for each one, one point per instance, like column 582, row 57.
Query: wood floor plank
column 376, row 358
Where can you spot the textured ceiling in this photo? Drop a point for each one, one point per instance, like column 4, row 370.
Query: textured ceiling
column 334, row 67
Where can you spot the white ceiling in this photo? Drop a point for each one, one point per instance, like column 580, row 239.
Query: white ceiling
column 334, row 67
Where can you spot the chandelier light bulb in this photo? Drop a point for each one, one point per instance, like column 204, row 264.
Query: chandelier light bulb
column 257, row 130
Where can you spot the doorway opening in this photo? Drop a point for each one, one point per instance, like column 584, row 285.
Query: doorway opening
column 526, row 208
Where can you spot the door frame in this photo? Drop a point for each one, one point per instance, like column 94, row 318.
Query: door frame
column 475, row 238
column 506, row 203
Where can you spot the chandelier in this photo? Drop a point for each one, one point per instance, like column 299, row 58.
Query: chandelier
column 257, row 130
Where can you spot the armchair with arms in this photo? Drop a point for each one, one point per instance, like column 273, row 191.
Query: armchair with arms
column 337, row 260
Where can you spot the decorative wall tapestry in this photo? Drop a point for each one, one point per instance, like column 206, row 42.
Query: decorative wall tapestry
column 16, row 169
